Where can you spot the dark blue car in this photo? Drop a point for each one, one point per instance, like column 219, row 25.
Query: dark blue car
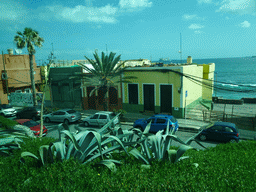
column 221, row 132
column 158, row 122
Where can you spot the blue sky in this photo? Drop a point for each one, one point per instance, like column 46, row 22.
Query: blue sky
column 148, row 29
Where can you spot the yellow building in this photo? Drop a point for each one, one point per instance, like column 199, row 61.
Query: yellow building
column 168, row 89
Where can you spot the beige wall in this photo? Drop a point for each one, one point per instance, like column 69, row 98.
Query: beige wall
column 194, row 90
column 18, row 72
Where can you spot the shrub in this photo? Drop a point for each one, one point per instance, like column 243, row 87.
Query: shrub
column 7, row 123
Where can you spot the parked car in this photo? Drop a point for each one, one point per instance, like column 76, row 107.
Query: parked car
column 221, row 132
column 33, row 125
column 29, row 113
column 100, row 119
column 7, row 110
column 158, row 122
column 65, row 115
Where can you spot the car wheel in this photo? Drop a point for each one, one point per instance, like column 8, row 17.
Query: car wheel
column 233, row 141
column 202, row 137
column 66, row 121
column 86, row 124
column 47, row 120
column 34, row 118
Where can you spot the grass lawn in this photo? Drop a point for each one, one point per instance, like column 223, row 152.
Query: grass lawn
column 227, row 167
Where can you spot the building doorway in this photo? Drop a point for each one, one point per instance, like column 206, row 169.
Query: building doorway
column 166, row 98
column 149, row 97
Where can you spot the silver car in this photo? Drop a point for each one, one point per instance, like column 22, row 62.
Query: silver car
column 7, row 110
column 65, row 115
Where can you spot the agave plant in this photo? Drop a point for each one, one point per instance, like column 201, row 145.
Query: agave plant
column 157, row 147
column 10, row 138
column 85, row 146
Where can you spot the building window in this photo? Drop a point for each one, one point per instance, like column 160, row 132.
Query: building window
column 133, row 93
column 113, row 96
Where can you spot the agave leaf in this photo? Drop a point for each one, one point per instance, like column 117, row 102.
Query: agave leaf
column 110, row 149
column 145, row 166
column 4, row 141
column 147, row 128
column 172, row 155
column 167, row 128
column 119, row 141
column 59, row 149
column 174, row 137
column 43, row 151
column 155, row 147
column 72, row 138
column 182, row 149
column 65, row 126
column 182, row 158
column 25, row 154
column 145, row 147
column 104, row 129
column 138, row 155
column 110, row 163
column 166, row 146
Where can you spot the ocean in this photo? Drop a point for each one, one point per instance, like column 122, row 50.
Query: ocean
column 235, row 78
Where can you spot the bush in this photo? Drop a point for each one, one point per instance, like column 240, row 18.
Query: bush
column 7, row 123
column 227, row 167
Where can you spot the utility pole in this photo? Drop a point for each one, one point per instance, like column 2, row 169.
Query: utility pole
column 5, row 77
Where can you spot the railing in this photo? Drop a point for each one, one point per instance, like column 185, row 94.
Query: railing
column 242, row 120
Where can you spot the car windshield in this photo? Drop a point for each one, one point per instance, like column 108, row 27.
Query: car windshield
column 173, row 120
column 71, row 111
column 30, row 123
column 6, row 106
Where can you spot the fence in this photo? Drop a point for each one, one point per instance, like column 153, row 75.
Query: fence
column 242, row 120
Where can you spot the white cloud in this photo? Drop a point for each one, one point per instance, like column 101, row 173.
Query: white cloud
column 188, row 17
column 134, row 3
column 195, row 26
column 238, row 6
column 79, row 13
column 204, row 1
column 245, row 24
column 198, row 32
column 191, row 17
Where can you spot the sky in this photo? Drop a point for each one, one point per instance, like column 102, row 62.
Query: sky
column 134, row 29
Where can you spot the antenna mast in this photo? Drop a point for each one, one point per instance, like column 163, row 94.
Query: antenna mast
column 180, row 50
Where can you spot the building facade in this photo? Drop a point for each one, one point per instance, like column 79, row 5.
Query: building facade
column 167, row 89
column 16, row 76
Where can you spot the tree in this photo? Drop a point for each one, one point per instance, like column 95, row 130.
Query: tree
column 29, row 38
column 104, row 71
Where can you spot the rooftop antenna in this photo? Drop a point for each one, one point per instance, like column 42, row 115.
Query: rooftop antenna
column 180, row 51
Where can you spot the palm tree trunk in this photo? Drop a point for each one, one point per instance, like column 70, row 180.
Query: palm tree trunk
column 32, row 79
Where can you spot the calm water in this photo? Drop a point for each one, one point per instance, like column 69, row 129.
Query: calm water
column 237, row 75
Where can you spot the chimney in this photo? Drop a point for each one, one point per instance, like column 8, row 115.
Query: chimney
column 189, row 60
column 10, row 51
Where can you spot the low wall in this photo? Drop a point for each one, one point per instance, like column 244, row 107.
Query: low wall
column 249, row 100
column 227, row 101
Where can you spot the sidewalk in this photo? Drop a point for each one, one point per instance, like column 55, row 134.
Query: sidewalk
column 187, row 125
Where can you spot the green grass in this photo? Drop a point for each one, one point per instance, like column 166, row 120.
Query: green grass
column 227, row 167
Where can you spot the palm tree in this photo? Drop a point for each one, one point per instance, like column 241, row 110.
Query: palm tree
column 104, row 71
column 29, row 38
